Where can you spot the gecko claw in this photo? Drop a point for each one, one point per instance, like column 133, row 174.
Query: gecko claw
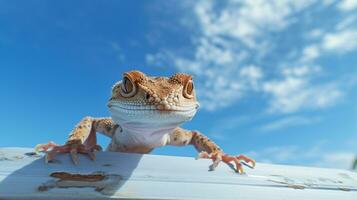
column 73, row 153
column 216, row 157
column 249, row 161
column 98, row 148
column 47, row 159
column 45, row 147
column 216, row 160
column 202, row 154
column 212, row 167
column 50, row 148
column 91, row 155
column 236, row 159
column 239, row 168
column 219, row 156
column 73, row 149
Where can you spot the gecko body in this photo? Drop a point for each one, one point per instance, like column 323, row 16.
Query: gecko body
column 146, row 112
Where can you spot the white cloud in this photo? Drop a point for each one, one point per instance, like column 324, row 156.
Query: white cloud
column 159, row 59
column 228, row 126
column 316, row 156
column 245, row 20
column 347, row 23
column 342, row 41
column 328, row 2
column 251, row 74
column 220, row 75
column 295, row 92
column 341, row 160
column 315, row 33
column 279, row 154
column 300, row 72
column 275, row 154
column 288, row 122
column 310, row 53
column 216, row 52
column 226, row 36
column 120, row 56
column 347, row 5
column 234, row 55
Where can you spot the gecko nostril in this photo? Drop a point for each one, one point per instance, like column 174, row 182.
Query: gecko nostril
column 147, row 96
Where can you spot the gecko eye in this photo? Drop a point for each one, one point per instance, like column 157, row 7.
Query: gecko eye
column 128, row 88
column 188, row 90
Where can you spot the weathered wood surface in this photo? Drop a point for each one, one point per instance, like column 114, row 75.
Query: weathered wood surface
column 132, row 176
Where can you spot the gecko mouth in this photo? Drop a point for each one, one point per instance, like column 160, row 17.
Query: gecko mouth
column 150, row 116
column 134, row 107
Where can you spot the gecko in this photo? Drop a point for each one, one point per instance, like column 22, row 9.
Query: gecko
column 146, row 112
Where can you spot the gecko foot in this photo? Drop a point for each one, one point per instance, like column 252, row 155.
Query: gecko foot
column 217, row 157
column 45, row 147
column 72, row 148
column 247, row 160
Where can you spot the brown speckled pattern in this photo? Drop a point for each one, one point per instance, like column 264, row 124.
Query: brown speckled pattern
column 203, row 143
column 182, row 137
column 169, row 94
column 162, row 92
column 88, row 124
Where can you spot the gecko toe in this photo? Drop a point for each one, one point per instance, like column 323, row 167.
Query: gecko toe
column 247, row 160
column 91, row 155
column 74, row 156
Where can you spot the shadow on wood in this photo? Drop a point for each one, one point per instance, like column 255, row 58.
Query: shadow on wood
column 29, row 175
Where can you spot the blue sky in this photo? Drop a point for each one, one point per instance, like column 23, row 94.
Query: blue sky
column 276, row 80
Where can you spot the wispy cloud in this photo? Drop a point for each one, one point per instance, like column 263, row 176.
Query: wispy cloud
column 288, row 122
column 316, row 156
column 119, row 53
column 340, row 42
column 310, row 53
column 274, row 154
column 340, row 159
column 295, row 92
column 347, row 5
column 238, row 51
column 228, row 126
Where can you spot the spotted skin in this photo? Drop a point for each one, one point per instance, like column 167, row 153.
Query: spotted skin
column 135, row 93
column 162, row 92
column 182, row 137
column 83, row 129
column 207, row 149
column 203, row 143
column 82, row 139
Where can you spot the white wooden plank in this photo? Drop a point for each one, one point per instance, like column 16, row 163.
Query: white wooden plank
column 133, row 176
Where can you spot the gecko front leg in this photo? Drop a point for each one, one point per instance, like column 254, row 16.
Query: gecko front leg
column 82, row 139
column 207, row 149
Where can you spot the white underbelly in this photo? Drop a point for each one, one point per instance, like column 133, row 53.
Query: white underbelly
column 140, row 138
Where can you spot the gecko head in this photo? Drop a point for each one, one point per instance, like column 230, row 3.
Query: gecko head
column 140, row 98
